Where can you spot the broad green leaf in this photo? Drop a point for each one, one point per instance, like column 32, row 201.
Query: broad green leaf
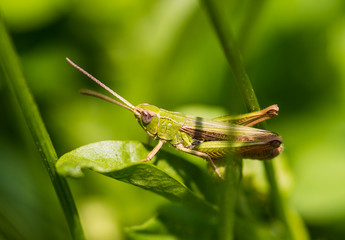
column 121, row 160
column 102, row 157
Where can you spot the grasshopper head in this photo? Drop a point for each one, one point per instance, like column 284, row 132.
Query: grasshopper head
column 147, row 117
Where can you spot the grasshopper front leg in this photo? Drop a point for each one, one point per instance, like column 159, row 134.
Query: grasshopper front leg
column 186, row 150
column 199, row 154
column 154, row 151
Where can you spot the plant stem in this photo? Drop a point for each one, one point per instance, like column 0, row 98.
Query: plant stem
column 11, row 71
column 217, row 13
column 219, row 18
column 230, row 191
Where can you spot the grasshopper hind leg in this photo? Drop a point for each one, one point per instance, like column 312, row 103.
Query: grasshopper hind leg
column 200, row 154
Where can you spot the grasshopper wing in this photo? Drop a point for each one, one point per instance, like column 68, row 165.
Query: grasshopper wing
column 219, row 138
column 210, row 130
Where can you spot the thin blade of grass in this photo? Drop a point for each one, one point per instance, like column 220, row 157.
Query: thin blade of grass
column 10, row 70
column 220, row 20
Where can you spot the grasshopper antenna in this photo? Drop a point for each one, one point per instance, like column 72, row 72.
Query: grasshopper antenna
column 126, row 104
column 104, row 97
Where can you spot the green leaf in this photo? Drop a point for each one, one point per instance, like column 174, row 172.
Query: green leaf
column 121, row 160
column 102, row 157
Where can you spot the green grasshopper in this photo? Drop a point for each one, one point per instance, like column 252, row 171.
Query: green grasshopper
column 206, row 138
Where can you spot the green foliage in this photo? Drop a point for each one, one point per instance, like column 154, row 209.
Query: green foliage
column 168, row 53
column 197, row 213
column 119, row 160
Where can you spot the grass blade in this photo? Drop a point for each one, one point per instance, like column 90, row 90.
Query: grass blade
column 221, row 22
column 12, row 72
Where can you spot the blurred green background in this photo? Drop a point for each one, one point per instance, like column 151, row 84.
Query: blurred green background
column 166, row 53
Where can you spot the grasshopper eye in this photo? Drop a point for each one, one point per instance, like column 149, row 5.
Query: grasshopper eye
column 146, row 117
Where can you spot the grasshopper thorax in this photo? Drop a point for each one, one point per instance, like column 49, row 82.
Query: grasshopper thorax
column 147, row 116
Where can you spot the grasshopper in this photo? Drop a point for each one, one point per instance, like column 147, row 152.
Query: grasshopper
column 206, row 138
